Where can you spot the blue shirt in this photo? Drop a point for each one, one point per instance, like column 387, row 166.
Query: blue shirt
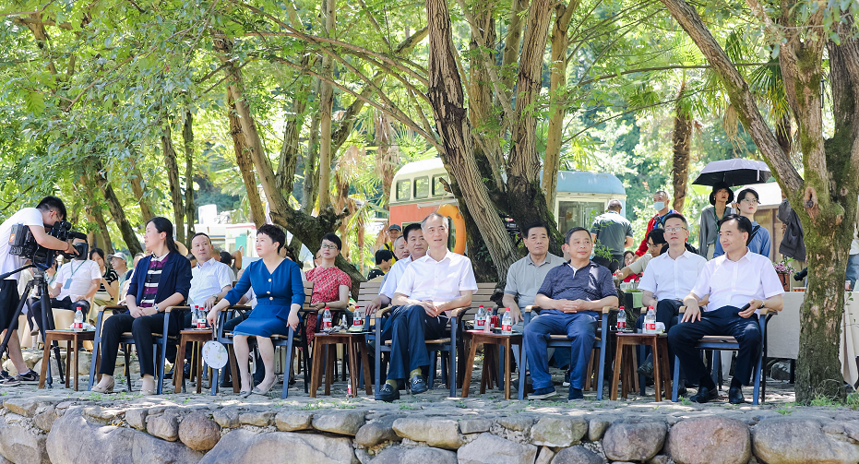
column 275, row 292
column 592, row 282
column 759, row 244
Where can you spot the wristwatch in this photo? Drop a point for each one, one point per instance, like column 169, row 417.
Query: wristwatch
column 763, row 302
column 156, row 308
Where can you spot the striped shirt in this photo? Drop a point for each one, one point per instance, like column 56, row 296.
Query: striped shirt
column 153, row 276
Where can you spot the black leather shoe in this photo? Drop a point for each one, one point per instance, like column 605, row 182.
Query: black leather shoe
column 646, row 369
column 704, row 395
column 418, row 385
column 681, row 391
column 735, row 395
column 388, row 393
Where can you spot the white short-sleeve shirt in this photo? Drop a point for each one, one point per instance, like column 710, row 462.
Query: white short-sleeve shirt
column 437, row 281
column 672, row 279
column 389, row 284
column 79, row 276
column 735, row 283
column 207, row 280
column 29, row 217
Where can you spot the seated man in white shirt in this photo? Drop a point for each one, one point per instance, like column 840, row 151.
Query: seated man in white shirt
column 669, row 277
column 416, row 248
column 731, row 281
column 431, row 287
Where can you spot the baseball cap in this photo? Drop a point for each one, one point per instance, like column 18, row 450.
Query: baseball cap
column 395, row 227
column 118, row 255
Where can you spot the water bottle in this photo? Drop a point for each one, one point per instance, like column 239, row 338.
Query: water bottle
column 650, row 321
column 487, row 324
column 358, row 318
column 79, row 321
column 480, row 319
column 507, row 323
column 621, row 320
column 326, row 319
column 201, row 317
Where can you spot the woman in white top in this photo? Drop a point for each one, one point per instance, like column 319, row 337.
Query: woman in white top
column 656, row 245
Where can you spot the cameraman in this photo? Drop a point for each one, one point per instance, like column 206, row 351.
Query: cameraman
column 49, row 211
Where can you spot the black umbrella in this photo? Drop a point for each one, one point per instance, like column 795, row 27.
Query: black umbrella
column 733, row 172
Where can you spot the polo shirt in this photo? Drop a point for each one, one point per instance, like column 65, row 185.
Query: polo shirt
column 437, row 281
column 389, row 283
column 735, row 283
column 590, row 283
column 671, row 279
column 79, row 274
column 612, row 229
column 207, row 280
column 524, row 277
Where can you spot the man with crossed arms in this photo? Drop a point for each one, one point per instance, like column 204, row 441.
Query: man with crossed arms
column 732, row 280
column 430, row 288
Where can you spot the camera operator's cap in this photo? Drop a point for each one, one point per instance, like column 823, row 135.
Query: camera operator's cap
column 395, row 227
column 118, row 255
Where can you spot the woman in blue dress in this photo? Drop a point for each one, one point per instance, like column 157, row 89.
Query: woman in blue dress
column 280, row 294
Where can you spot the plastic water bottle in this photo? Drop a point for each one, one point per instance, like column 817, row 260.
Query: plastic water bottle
column 487, row 324
column 621, row 320
column 79, row 321
column 650, row 321
column 358, row 318
column 507, row 323
column 480, row 319
column 201, row 317
column 326, row 319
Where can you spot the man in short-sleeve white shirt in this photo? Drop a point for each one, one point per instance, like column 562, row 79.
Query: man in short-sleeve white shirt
column 413, row 237
column 210, row 279
column 429, row 289
column 730, row 281
column 76, row 280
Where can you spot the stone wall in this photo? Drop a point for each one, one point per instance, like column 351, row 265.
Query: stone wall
column 42, row 430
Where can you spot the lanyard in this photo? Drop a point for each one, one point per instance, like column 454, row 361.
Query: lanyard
column 76, row 270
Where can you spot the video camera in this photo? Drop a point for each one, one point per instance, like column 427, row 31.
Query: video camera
column 22, row 243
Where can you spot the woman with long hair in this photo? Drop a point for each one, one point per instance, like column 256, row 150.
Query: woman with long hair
column 160, row 280
column 109, row 279
column 279, row 290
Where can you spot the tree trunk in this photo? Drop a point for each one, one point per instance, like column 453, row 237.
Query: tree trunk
column 173, row 180
column 136, row 180
column 825, row 200
column 326, row 102
column 446, row 95
column 190, row 208
column 387, row 154
column 291, row 149
column 94, row 213
column 510, row 56
column 115, row 208
column 525, row 195
column 557, row 94
column 681, row 140
column 311, row 173
column 245, row 163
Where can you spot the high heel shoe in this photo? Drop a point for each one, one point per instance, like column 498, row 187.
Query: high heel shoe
column 105, row 389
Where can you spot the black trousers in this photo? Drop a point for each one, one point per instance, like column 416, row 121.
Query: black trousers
column 142, row 328
column 410, row 327
column 613, row 263
column 722, row 321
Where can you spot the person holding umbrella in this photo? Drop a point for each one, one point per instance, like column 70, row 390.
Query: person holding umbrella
column 759, row 240
column 708, row 229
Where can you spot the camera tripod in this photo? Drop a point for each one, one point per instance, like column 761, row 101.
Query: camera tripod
column 47, row 323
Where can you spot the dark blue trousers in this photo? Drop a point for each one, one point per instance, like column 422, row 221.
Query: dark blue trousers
column 410, row 327
column 723, row 321
column 580, row 327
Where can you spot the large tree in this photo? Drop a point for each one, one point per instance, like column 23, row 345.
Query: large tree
column 825, row 196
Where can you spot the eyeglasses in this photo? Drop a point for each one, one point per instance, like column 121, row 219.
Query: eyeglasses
column 328, row 247
column 751, row 202
column 674, row 229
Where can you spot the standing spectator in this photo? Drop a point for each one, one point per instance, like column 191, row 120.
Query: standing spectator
column 160, row 280
column 384, row 259
column 109, row 285
column 614, row 233
column 759, row 238
column 708, row 229
column 330, row 285
column 853, row 260
column 793, row 241
column 394, row 231
column 660, row 204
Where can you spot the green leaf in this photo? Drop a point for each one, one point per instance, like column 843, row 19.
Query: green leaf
column 35, row 102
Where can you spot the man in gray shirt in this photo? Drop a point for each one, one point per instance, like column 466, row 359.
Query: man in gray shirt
column 526, row 276
column 614, row 233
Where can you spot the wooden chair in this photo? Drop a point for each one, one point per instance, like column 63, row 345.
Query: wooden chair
column 447, row 345
column 562, row 341
column 726, row 342
column 161, row 341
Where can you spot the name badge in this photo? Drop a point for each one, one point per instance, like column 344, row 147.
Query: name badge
column 68, row 283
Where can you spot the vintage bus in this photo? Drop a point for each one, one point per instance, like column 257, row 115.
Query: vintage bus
column 418, row 191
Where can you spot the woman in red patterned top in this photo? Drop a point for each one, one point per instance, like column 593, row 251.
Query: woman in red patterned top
column 330, row 285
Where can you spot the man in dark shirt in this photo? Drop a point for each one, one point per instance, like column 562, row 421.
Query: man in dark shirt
column 572, row 296
column 614, row 233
